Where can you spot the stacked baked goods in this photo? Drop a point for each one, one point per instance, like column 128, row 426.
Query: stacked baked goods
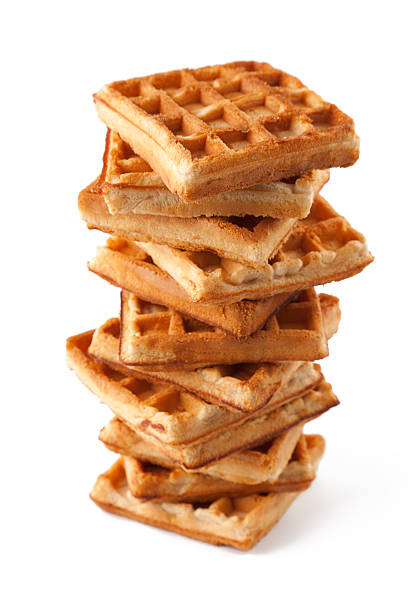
column 210, row 191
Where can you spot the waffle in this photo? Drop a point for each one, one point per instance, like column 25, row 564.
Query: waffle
column 131, row 186
column 249, row 240
column 159, row 337
column 187, row 429
column 249, row 467
column 125, row 265
column 239, row 522
column 322, row 248
column 222, row 128
column 160, row 410
column 245, row 387
column 150, row 481
column 252, row 432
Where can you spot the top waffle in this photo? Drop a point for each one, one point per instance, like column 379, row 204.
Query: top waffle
column 130, row 185
column 221, row 128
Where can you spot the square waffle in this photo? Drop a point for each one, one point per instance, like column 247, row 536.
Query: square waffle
column 249, row 240
column 222, row 128
column 245, row 387
column 151, row 481
column 160, row 337
column 130, row 185
column 239, row 522
column 322, row 248
column 185, row 427
column 248, row 467
column 125, row 265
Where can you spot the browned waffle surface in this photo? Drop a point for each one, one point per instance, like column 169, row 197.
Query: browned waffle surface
column 129, row 184
column 248, row 467
column 249, row 240
column 159, row 409
column 251, row 432
column 156, row 336
column 222, row 128
column 125, row 265
column 321, row 248
column 151, row 481
column 239, row 522
column 245, row 387
column 187, row 428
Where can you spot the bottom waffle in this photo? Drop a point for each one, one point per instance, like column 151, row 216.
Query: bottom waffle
column 151, row 481
column 239, row 522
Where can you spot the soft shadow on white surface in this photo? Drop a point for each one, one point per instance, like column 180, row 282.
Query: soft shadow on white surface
column 308, row 513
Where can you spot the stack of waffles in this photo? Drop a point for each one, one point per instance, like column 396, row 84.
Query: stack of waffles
column 210, row 194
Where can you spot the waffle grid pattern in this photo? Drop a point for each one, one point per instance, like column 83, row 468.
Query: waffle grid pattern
column 219, row 109
column 151, row 481
column 224, row 113
column 130, row 184
column 160, row 337
column 245, row 387
column 187, row 429
column 321, row 248
column 238, row 522
column 158, row 410
column 249, row 467
column 125, row 265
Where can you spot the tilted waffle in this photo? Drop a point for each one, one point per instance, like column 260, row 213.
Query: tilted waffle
column 222, row 128
column 150, row 481
column 245, row 387
column 252, row 432
column 125, row 265
column 322, row 248
column 189, row 430
column 161, row 410
column 129, row 184
column 159, row 337
column 248, row 467
column 239, row 522
column 249, row 240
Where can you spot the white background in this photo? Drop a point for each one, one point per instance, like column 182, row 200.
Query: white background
column 342, row 545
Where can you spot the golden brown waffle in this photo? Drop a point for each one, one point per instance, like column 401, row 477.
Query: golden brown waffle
column 252, row 432
column 150, row 481
column 322, row 248
column 187, row 429
column 248, row 467
column 130, row 185
column 249, row 240
column 222, row 128
column 239, row 522
column 160, row 410
column 159, row 337
column 245, row 387
column 125, row 265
